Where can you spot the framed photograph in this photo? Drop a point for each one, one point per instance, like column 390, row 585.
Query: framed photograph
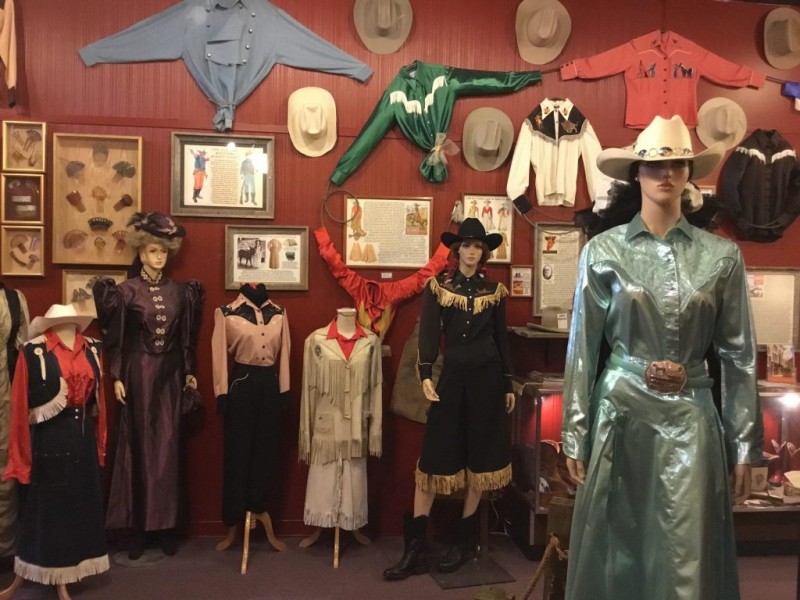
column 22, row 251
column 24, row 146
column 387, row 232
column 97, row 182
column 76, row 287
column 521, row 279
column 218, row 175
column 497, row 216
column 22, row 195
column 775, row 303
column 275, row 256
column 556, row 248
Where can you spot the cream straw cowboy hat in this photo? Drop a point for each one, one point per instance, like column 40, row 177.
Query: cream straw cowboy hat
column 58, row 314
column 542, row 29
column 721, row 120
column 312, row 121
column 663, row 139
column 488, row 135
column 383, row 25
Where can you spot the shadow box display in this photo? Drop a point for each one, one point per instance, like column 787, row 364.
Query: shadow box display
column 21, row 198
column 76, row 287
column 275, row 256
column 387, row 232
column 22, row 251
column 497, row 216
column 24, row 146
column 219, row 175
column 97, row 182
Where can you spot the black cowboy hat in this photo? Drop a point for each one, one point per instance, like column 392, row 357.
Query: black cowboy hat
column 472, row 229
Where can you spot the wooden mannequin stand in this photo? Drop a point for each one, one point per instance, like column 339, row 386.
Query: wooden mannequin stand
column 312, row 539
column 250, row 520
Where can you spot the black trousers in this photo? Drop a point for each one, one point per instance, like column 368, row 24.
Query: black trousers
column 253, row 423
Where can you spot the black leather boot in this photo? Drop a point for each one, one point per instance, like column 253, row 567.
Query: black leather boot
column 465, row 548
column 415, row 552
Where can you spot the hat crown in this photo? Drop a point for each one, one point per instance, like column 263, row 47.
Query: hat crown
column 58, row 311
column 488, row 136
column 312, row 120
column 664, row 139
column 385, row 16
column 471, row 229
column 542, row 26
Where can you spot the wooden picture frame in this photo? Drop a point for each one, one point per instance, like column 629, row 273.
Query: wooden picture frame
column 775, row 305
column 520, row 281
column 24, row 146
column 22, row 251
column 556, row 250
column 387, row 232
column 76, row 287
column 22, row 198
column 220, row 175
column 276, row 256
column 496, row 213
column 97, row 183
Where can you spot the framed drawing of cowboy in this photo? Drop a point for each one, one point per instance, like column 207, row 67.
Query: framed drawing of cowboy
column 215, row 175
column 275, row 256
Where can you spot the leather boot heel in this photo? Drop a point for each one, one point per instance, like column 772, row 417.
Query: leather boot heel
column 415, row 553
column 465, row 548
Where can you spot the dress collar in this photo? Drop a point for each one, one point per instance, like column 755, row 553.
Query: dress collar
column 52, row 340
column 637, row 227
column 333, row 332
column 242, row 299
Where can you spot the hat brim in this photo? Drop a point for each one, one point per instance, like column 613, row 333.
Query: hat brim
column 305, row 144
column 703, row 116
column 779, row 61
column 372, row 38
column 540, row 55
column 493, row 240
column 41, row 324
column 616, row 162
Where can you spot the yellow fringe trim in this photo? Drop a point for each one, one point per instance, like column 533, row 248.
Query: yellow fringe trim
column 447, row 298
column 441, row 484
column 494, row 480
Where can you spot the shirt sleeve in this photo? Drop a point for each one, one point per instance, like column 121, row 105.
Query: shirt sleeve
column 345, row 277
column 8, row 49
column 470, row 82
column 397, row 291
column 24, row 320
column 501, row 337
column 597, row 183
column 730, row 182
column 430, row 327
column 307, row 403
column 583, row 351
column 734, row 342
column 299, row 47
column 219, row 354
column 519, row 174
column 19, row 435
column 725, row 72
column 376, row 402
column 286, row 346
column 610, row 62
column 101, row 431
column 159, row 37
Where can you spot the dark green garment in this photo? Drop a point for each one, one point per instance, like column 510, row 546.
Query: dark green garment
column 420, row 100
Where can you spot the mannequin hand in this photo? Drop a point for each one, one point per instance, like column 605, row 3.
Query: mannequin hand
column 741, row 486
column 429, row 390
column 577, row 470
column 191, row 381
column 119, row 391
column 511, row 400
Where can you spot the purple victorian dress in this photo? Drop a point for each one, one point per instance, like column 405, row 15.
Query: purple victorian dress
column 150, row 335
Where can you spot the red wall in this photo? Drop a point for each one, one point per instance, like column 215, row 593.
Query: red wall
column 152, row 100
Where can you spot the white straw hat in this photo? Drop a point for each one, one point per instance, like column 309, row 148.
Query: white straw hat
column 312, row 121
column 56, row 315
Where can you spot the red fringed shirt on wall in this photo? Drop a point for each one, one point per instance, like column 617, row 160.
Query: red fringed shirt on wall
column 661, row 73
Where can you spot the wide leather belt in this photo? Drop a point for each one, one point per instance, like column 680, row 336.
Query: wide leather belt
column 664, row 376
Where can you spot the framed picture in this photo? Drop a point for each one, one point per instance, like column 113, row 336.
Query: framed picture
column 217, row 175
column 22, row 251
column 76, row 287
column 556, row 249
column 387, row 232
column 22, row 195
column 24, row 146
column 275, row 256
column 521, row 281
column 97, row 182
column 775, row 303
column 497, row 216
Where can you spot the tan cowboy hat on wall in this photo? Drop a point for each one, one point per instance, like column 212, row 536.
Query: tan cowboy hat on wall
column 312, row 121
column 663, row 139
column 383, row 25
column 782, row 38
column 59, row 314
column 721, row 120
column 542, row 27
column 487, row 139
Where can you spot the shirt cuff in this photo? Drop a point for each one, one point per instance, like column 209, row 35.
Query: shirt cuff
column 363, row 73
column 569, row 70
column 425, row 371
column 757, row 79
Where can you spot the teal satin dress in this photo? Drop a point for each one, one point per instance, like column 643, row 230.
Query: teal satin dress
column 653, row 520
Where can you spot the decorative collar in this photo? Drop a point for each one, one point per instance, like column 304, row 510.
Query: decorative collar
column 637, row 227
column 143, row 274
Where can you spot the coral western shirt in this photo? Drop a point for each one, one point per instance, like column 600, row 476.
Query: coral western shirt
column 661, row 73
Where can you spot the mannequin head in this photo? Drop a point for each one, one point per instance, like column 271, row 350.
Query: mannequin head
column 153, row 256
column 151, row 230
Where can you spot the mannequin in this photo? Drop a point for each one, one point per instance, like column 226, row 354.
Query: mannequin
column 13, row 333
column 57, row 387
column 156, row 320
column 341, row 399
column 253, row 400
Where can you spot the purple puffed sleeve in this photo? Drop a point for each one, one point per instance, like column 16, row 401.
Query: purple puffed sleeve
column 110, row 307
column 194, row 297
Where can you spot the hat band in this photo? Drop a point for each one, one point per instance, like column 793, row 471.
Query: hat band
column 664, row 152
